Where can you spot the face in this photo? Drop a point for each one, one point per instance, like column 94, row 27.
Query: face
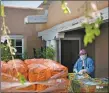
column 83, row 57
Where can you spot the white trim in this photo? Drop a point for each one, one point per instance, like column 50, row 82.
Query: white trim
column 73, row 38
column 49, row 34
column 23, row 47
column 18, row 7
column 16, row 36
column 60, row 50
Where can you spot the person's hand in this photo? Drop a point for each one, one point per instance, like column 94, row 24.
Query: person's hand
column 75, row 71
column 82, row 71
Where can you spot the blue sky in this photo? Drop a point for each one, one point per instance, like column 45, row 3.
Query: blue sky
column 26, row 4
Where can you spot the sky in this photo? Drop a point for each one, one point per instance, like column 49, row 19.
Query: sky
column 25, row 4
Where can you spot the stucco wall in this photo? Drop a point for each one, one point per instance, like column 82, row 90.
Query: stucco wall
column 56, row 15
column 15, row 22
column 101, row 52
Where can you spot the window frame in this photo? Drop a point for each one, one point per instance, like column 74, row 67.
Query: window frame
column 15, row 37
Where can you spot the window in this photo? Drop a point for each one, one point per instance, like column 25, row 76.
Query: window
column 48, row 43
column 18, row 43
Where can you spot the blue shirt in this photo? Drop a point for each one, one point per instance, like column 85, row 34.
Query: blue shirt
column 89, row 65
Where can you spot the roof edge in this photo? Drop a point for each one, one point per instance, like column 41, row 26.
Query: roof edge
column 24, row 8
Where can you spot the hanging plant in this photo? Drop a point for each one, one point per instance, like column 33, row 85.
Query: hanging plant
column 12, row 51
column 45, row 1
column 92, row 30
column 1, row 9
column 64, row 7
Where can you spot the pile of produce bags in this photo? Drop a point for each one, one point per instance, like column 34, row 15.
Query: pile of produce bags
column 84, row 83
column 42, row 75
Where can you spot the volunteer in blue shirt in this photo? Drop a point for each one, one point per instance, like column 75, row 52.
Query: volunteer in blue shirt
column 84, row 64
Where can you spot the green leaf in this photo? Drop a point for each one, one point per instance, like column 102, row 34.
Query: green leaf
column 92, row 30
column 90, row 40
column 66, row 11
column 83, row 24
column 88, row 30
column 93, row 37
column 99, row 20
column 64, row 7
column 2, row 10
column 21, row 78
column 85, row 40
column 96, row 25
column 45, row 1
column 97, row 32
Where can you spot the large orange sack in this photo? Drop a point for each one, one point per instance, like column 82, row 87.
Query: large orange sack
column 31, row 87
column 41, row 87
column 6, row 72
column 34, row 61
column 44, row 69
column 38, row 72
column 55, row 67
column 17, row 65
column 4, row 67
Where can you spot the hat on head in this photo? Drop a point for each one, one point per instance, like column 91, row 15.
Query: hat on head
column 82, row 52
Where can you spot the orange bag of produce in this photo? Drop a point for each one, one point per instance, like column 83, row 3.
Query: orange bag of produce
column 41, row 87
column 31, row 87
column 6, row 72
column 56, row 68
column 17, row 66
column 52, row 85
column 17, row 87
column 4, row 67
column 8, row 78
column 38, row 72
column 36, row 61
column 57, row 86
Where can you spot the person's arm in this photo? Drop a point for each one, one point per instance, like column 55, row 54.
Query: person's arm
column 90, row 67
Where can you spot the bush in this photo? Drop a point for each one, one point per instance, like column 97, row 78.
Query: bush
column 46, row 52
column 25, row 55
column 5, row 53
